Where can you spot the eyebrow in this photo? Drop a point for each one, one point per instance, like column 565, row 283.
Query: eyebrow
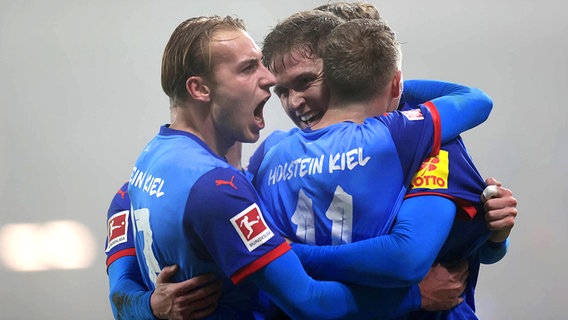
column 251, row 60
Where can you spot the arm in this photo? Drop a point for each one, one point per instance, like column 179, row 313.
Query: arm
column 397, row 259
column 129, row 299
column 191, row 299
column 460, row 108
column 306, row 298
column 271, row 265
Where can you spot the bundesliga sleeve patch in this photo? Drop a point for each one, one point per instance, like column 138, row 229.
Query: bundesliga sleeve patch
column 413, row 114
column 433, row 173
column 251, row 227
column 116, row 229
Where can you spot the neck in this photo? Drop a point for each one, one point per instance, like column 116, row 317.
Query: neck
column 355, row 112
column 195, row 120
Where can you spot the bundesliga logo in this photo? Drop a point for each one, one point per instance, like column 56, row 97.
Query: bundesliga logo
column 251, row 227
column 116, row 228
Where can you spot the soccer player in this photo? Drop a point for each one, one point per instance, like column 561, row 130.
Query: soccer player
column 301, row 83
column 194, row 298
column 193, row 209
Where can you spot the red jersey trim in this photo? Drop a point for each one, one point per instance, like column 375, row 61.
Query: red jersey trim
column 437, row 128
column 260, row 263
column 120, row 254
column 466, row 209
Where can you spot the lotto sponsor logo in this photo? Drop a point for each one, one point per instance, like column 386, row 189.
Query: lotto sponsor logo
column 251, row 227
column 116, row 229
column 413, row 114
column 433, row 173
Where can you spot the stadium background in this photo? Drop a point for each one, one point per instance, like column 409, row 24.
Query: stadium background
column 81, row 95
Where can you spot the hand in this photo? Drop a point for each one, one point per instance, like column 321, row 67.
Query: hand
column 195, row 298
column 442, row 287
column 500, row 212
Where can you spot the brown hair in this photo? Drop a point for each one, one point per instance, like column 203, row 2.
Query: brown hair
column 351, row 10
column 360, row 58
column 302, row 33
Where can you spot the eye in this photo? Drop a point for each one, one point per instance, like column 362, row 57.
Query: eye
column 249, row 68
column 304, row 83
column 280, row 91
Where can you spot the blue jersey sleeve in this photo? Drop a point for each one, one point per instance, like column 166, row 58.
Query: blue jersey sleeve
column 120, row 240
column 306, row 298
column 492, row 252
column 129, row 298
column 400, row 258
column 460, row 108
column 226, row 218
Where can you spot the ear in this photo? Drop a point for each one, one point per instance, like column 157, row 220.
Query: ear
column 396, row 85
column 198, row 89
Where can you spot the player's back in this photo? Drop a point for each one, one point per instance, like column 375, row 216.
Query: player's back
column 339, row 184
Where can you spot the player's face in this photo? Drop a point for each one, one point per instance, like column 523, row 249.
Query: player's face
column 241, row 87
column 302, row 90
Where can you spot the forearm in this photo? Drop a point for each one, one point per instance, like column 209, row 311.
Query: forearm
column 305, row 298
column 129, row 298
column 401, row 258
column 492, row 252
column 419, row 91
column 460, row 107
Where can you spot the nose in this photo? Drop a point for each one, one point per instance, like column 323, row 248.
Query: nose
column 267, row 79
column 295, row 99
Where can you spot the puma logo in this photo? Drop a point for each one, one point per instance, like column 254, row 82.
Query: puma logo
column 230, row 182
column 122, row 193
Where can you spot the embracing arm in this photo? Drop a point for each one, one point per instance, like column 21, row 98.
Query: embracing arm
column 306, row 298
column 460, row 108
column 400, row 258
column 194, row 298
column 129, row 298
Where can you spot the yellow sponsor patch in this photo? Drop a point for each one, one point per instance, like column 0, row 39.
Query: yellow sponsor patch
column 433, row 174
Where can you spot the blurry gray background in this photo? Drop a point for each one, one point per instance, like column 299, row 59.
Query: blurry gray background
column 80, row 97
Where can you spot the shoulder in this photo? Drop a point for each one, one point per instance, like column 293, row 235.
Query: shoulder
column 120, row 201
column 223, row 186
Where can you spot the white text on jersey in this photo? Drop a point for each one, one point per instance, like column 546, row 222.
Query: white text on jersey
column 309, row 166
column 146, row 182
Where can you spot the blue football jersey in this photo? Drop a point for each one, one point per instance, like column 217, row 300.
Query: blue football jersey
column 191, row 208
column 452, row 174
column 271, row 140
column 345, row 182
